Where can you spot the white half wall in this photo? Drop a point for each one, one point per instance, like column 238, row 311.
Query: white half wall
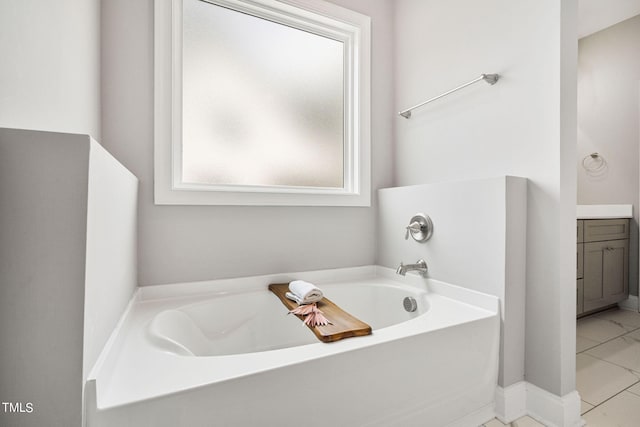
column 43, row 210
column 479, row 242
column 67, row 270
column 111, row 249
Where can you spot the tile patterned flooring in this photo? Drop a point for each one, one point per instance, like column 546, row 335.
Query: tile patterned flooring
column 608, row 368
column 608, row 371
column 520, row 422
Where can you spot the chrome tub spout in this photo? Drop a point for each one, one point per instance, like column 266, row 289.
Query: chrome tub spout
column 420, row 266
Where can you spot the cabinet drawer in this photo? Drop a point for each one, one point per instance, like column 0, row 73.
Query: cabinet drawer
column 580, row 237
column 598, row 230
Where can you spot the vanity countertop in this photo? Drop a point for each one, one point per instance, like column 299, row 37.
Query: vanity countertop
column 604, row 211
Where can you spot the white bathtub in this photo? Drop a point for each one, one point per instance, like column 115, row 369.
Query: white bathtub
column 225, row 353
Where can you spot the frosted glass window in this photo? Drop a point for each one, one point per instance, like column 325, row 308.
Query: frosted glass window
column 263, row 102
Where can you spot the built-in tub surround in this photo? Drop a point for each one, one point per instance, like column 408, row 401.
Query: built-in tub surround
column 438, row 363
column 478, row 242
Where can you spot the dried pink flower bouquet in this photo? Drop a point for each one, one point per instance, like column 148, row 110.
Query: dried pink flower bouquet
column 312, row 314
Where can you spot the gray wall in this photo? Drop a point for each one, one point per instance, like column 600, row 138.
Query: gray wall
column 43, row 207
column 609, row 121
column 524, row 125
column 187, row 243
column 50, row 73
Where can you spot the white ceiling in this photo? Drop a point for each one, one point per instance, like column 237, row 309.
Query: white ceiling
column 596, row 15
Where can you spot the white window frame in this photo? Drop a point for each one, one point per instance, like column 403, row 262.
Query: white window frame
column 316, row 16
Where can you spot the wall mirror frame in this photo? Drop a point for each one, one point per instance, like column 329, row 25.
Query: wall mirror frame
column 317, row 17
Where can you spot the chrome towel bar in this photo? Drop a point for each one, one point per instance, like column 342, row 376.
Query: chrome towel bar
column 489, row 78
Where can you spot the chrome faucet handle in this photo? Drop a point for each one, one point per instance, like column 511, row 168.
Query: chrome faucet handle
column 414, row 227
column 420, row 228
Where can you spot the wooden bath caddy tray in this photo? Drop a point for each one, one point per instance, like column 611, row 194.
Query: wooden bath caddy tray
column 343, row 325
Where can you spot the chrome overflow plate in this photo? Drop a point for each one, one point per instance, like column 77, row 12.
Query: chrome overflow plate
column 410, row 304
column 420, row 228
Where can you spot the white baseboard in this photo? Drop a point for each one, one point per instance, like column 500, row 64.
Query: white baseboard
column 524, row 398
column 630, row 303
column 552, row 410
column 511, row 402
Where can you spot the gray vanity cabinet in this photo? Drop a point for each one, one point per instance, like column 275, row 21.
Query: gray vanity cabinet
column 603, row 263
column 580, row 268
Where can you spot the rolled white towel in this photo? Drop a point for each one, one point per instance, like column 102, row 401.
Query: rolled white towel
column 304, row 292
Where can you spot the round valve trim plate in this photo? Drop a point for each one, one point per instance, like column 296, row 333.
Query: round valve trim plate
column 426, row 227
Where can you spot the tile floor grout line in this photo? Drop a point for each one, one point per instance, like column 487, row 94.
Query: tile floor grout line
column 622, row 325
column 608, row 399
column 603, row 342
column 637, row 373
column 632, row 392
column 631, row 371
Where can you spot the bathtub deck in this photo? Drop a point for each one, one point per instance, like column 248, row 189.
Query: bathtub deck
column 343, row 325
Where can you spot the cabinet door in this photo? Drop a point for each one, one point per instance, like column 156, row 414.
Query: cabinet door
column 580, row 261
column 606, row 277
column 579, row 296
column 616, row 270
column 580, row 236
